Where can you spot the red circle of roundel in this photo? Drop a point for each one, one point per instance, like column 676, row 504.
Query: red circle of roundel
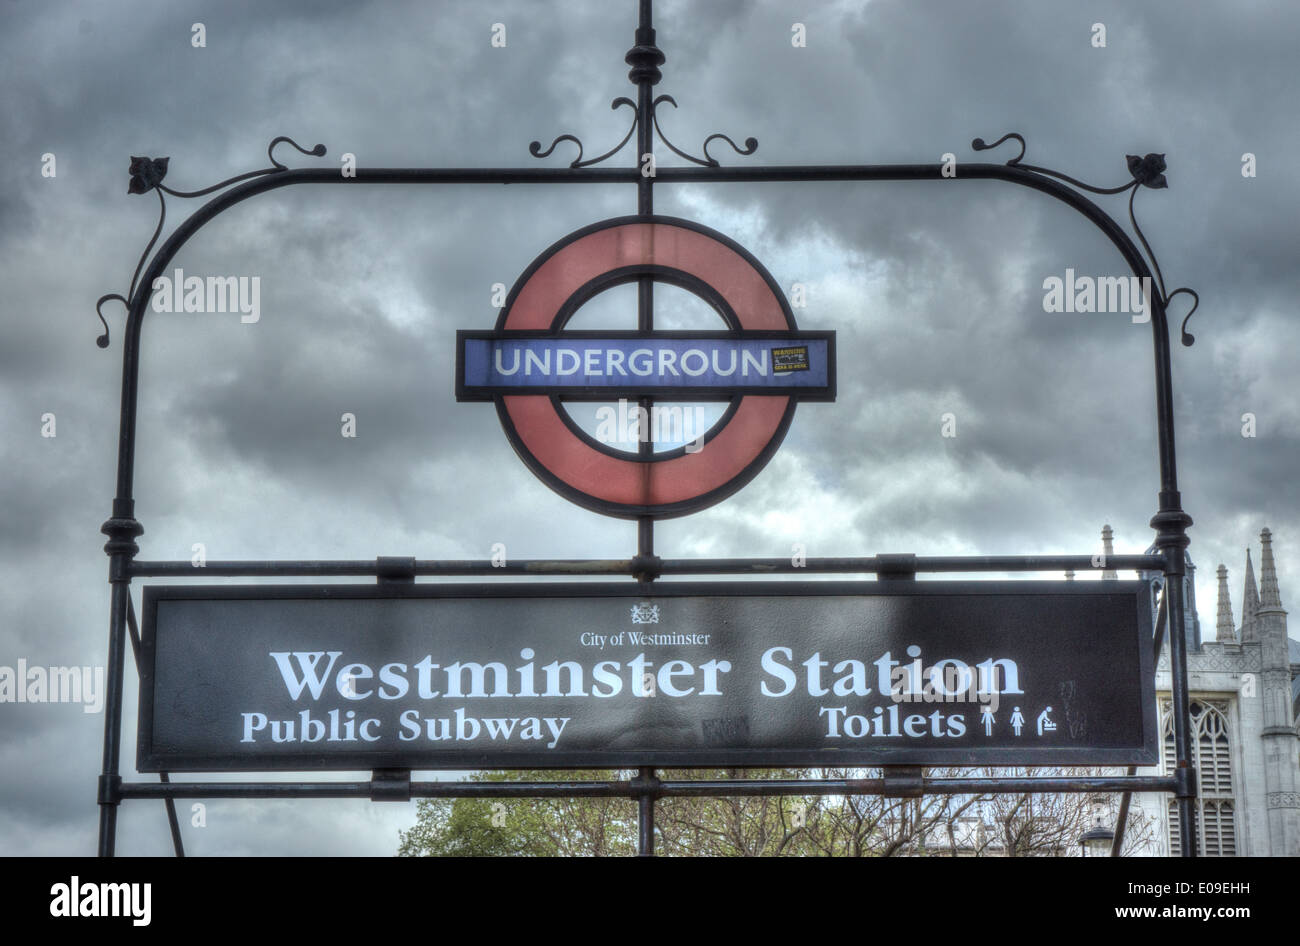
column 683, row 482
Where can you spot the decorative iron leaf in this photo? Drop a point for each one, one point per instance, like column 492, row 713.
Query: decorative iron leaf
column 146, row 174
column 1148, row 170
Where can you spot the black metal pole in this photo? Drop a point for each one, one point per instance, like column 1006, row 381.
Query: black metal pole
column 173, row 823
column 1121, row 819
column 645, row 814
column 122, row 530
column 1184, row 773
column 109, row 779
column 645, row 59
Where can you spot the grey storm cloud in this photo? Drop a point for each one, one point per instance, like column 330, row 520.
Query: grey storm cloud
column 935, row 291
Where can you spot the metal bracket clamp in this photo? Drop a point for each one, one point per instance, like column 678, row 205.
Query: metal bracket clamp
column 390, row 785
column 645, row 785
column 393, row 569
column 1185, row 782
column 646, row 568
column 903, row 781
column 900, row 566
column 110, row 790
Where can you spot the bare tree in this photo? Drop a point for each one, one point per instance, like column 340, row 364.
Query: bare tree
column 976, row 825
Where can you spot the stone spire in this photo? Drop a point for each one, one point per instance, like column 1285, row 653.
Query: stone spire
column 1270, row 599
column 1281, row 784
column 1107, row 551
column 1249, row 603
column 1224, row 632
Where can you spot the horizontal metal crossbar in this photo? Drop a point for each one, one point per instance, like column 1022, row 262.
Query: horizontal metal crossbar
column 638, row 788
column 876, row 564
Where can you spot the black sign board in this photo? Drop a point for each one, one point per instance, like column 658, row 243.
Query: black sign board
column 429, row 676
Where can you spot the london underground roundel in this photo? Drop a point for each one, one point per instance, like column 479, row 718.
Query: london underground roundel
column 762, row 365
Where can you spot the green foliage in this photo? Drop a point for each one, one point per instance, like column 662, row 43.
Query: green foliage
column 721, row 827
column 771, row 826
column 523, row 827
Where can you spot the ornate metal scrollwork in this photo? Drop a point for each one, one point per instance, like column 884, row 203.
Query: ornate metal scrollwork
column 147, row 175
column 645, row 58
column 708, row 161
column 979, row 145
column 535, row 147
column 1146, row 171
column 751, row 144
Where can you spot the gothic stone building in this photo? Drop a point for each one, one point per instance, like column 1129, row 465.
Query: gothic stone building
column 1245, row 702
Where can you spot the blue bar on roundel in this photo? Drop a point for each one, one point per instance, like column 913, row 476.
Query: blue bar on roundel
column 798, row 364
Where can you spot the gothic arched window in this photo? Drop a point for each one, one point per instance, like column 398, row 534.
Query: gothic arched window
column 1214, row 809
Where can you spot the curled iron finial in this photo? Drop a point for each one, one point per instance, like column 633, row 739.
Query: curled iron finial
column 147, row 175
column 1188, row 339
column 979, row 145
column 316, row 152
column 535, row 147
column 708, row 161
column 1149, row 171
column 102, row 341
column 751, row 145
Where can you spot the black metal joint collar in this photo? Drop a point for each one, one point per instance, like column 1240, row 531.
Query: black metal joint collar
column 896, row 567
column 122, row 530
column 903, row 781
column 110, row 790
column 645, row 58
column 1184, row 781
column 643, row 785
column 646, row 568
column 394, row 570
column 390, row 785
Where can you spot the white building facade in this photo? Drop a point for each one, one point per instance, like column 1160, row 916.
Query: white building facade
column 1244, row 688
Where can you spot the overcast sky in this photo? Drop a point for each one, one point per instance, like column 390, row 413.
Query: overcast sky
column 935, row 291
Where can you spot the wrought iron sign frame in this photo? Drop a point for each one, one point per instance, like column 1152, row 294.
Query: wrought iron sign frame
column 1170, row 522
